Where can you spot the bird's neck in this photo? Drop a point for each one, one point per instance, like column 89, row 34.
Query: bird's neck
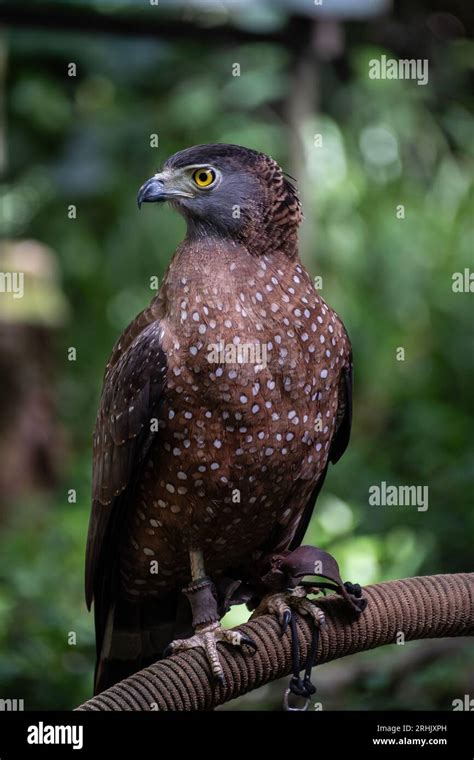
column 258, row 237
column 205, row 263
column 219, row 272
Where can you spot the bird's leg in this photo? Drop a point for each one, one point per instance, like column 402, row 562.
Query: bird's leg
column 208, row 631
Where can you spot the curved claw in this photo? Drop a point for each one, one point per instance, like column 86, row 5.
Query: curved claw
column 248, row 641
column 286, row 621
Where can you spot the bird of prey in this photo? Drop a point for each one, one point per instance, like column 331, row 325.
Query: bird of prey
column 223, row 403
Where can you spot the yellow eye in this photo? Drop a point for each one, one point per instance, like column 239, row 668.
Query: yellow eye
column 204, row 177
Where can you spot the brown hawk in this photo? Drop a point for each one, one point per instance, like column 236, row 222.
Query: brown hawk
column 223, row 403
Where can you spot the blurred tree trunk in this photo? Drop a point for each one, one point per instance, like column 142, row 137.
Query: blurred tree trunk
column 31, row 438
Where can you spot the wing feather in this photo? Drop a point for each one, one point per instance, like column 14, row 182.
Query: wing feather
column 339, row 444
column 131, row 396
column 291, row 535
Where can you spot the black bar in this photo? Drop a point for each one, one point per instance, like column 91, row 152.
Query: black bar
column 311, row 733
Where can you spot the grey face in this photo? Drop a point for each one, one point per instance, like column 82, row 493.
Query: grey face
column 217, row 194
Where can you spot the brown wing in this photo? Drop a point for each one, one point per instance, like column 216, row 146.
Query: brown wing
column 339, row 444
column 131, row 395
column 290, row 536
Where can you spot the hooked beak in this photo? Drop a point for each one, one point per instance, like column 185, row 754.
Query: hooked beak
column 152, row 191
column 161, row 187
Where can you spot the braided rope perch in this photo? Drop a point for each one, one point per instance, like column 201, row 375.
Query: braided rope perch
column 434, row 606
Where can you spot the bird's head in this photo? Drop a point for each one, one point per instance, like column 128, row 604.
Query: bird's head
column 230, row 191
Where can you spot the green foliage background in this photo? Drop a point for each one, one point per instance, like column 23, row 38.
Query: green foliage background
column 86, row 141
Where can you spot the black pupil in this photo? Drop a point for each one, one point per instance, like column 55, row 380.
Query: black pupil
column 203, row 176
